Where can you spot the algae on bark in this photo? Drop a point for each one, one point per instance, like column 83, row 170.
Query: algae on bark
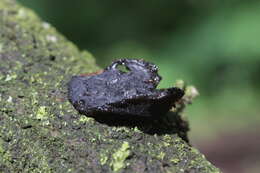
column 39, row 129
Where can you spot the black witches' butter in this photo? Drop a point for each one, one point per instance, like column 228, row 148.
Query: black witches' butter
column 124, row 94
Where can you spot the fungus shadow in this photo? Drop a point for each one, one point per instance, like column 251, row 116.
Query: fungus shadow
column 171, row 123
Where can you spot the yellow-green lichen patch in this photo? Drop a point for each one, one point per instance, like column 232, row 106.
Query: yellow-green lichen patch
column 166, row 144
column 85, row 119
column 175, row 160
column 121, row 129
column 10, row 99
column 103, row 158
column 10, row 77
column 42, row 113
column 161, row 155
column 136, row 130
column 119, row 157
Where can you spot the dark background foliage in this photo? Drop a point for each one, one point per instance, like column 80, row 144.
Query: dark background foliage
column 214, row 45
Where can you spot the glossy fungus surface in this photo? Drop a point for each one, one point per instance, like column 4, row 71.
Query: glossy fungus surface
column 125, row 89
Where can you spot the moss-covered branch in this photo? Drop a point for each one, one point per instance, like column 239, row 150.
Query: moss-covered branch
column 39, row 129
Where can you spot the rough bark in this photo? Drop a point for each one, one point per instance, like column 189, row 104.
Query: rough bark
column 41, row 132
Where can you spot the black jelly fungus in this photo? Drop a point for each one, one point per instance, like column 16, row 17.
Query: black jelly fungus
column 126, row 94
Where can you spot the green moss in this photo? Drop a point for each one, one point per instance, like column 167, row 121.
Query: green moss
column 5, row 156
column 42, row 130
column 120, row 156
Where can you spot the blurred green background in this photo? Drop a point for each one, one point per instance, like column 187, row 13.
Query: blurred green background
column 214, row 45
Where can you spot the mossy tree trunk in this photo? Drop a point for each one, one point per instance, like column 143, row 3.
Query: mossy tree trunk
column 39, row 129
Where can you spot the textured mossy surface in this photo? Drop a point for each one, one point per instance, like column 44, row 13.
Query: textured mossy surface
column 39, row 129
